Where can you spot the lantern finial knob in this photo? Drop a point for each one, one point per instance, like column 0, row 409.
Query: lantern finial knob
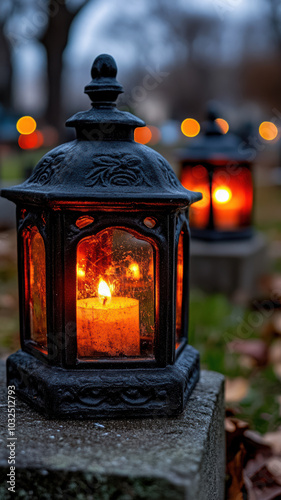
column 104, row 88
column 104, row 66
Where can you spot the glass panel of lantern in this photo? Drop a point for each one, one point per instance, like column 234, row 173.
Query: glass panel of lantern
column 115, row 293
column 35, row 288
column 180, row 282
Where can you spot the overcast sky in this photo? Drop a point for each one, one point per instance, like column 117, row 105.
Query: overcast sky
column 89, row 37
column 94, row 18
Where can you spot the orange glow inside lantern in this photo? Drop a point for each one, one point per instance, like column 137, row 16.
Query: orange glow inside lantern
column 179, row 289
column 35, row 288
column 115, row 296
column 197, row 178
column 231, row 194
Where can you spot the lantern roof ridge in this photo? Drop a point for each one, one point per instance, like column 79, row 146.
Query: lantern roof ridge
column 102, row 171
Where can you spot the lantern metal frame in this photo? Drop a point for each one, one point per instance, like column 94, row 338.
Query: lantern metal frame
column 106, row 176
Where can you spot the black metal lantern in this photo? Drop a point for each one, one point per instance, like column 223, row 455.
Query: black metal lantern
column 103, row 245
column 216, row 165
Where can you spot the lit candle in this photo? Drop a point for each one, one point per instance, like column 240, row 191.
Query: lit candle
column 108, row 325
column 226, row 208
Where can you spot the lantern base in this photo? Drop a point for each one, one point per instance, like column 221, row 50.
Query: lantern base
column 214, row 235
column 108, row 393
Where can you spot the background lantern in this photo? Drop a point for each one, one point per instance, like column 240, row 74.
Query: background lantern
column 103, row 270
column 216, row 165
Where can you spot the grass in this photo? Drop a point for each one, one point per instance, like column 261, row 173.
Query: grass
column 214, row 322
column 15, row 165
column 9, row 317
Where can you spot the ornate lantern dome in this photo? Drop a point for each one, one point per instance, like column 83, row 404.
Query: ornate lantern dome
column 104, row 161
column 103, row 241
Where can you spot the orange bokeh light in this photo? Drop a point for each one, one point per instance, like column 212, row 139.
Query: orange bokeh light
column 223, row 125
column 26, row 125
column 268, row 131
column 190, row 127
column 155, row 135
column 31, row 141
column 142, row 135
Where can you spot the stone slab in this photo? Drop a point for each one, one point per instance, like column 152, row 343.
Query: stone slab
column 228, row 267
column 157, row 459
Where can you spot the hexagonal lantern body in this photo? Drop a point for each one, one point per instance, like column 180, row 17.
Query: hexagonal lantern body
column 218, row 166
column 103, row 243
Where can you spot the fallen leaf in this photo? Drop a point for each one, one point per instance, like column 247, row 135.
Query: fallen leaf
column 274, row 467
column 235, row 472
column 236, row 389
column 229, row 425
column 254, row 443
column 274, row 355
column 256, row 349
column 277, row 370
column 235, row 429
column 247, row 362
column 254, row 465
column 273, row 285
column 276, row 322
column 249, row 488
column 273, row 439
column 268, row 493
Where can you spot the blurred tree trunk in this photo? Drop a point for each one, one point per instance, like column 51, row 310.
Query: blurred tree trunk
column 275, row 20
column 6, row 70
column 55, row 39
column 6, row 66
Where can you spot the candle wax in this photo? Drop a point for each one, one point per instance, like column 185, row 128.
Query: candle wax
column 110, row 329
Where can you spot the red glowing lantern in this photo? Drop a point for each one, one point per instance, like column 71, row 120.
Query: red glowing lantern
column 215, row 165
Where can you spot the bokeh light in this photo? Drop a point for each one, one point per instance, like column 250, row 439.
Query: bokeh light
column 142, row 135
column 190, row 127
column 268, row 131
column 222, row 194
column 224, row 126
column 31, row 141
column 155, row 135
column 26, row 125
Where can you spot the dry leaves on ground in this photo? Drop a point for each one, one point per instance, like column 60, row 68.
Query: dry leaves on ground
column 236, row 389
column 253, row 462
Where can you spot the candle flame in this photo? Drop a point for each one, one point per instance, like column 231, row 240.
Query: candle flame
column 222, row 195
column 103, row 289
